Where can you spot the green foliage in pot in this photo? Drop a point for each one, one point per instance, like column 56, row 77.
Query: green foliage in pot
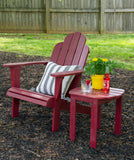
column 98, row 66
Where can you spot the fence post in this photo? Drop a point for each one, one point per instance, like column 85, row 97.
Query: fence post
column 102, row 14
column 47, row 17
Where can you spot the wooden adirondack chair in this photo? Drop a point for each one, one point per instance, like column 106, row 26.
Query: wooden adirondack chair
column 73, row 51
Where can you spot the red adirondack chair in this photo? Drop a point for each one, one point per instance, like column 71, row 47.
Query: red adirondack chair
column 73, row 51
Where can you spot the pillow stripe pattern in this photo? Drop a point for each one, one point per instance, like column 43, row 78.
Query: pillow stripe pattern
column 42, row 87
column 47, row 82
column 44, row 77
column 50, row 80
column 60, row 69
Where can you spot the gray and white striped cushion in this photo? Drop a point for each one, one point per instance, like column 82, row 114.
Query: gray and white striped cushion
column 47, row 83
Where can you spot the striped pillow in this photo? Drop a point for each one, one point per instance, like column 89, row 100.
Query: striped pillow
column 47, row 82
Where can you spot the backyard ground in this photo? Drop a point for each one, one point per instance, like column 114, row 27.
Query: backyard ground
column 29, row 136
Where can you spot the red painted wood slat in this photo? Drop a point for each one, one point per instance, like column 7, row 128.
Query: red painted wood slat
column 84, row 56
column 30, row 94
column 98, row 94
column 68, row 73
column 24, row 63
column 64, row 50
column 30, row 99
column 79, row 50
column 56, row 52
column 72, row 48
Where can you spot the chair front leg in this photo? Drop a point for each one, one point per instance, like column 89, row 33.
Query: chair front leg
column 56, row 117
column 57, row 104
column 15, row 82
column 15, row 76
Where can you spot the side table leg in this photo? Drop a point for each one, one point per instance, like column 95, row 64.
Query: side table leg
column 118, row 116
column 72, row 118
column 94, row 123
column 99, row 117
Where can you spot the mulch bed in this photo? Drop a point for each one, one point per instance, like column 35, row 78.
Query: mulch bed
column 29, row 136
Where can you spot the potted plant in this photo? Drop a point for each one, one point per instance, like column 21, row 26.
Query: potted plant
column 96, row 68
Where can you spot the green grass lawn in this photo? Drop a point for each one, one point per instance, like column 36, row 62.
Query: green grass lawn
column 117, row 47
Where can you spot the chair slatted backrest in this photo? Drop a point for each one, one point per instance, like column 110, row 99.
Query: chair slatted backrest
column 73, row 51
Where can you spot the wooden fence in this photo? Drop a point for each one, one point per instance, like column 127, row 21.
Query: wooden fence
column 118, row 16
column 22, row 16
column 76, row 15
column 54, row 16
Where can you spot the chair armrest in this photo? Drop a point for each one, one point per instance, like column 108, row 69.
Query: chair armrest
column 15, row 69
column 68, row 73
column 24, row 63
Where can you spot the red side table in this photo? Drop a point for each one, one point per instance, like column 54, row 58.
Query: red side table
column 96, row 98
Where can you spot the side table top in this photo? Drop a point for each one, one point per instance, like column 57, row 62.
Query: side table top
column 98, row 94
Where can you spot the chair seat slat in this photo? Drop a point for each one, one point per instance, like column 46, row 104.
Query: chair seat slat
column 28, row 93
